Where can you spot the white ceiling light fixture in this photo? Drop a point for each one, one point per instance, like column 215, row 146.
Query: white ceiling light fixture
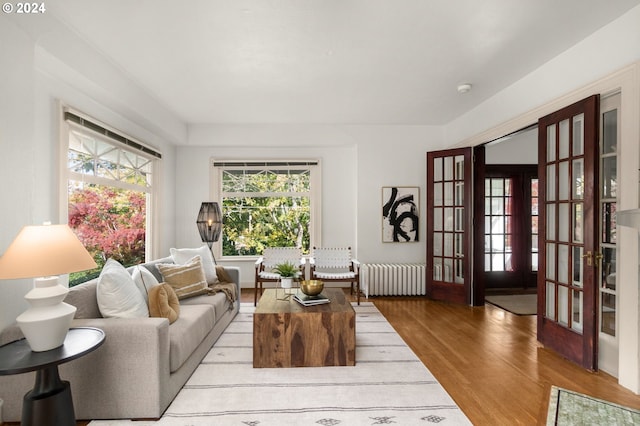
column 464, row 87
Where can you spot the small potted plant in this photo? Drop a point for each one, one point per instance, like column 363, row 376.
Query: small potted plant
column 288, row 272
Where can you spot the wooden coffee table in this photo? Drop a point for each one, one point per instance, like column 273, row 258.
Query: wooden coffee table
column 287, row 334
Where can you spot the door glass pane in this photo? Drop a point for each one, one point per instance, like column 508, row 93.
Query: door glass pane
column 448, row 244
column 459, row 225
column 563, row 180
column 437, row 169
column 448, row 193
column 459, row 167
column 448, row 270
column 578, row 179
column 437, row 194
column 459, row 267
column 551, row 222
column 459, row 193
column 577, row 266
column 609, row 223
column 578, row 223
column 609, row 268
column 551, row 261
column 551, row 143
column 576, row 320
column 448, row 168
column 437, row 219
column 578, row 135
column 437, row 243
column 497, row 206
column 609, row 131
column 448, row 219
column 563, row 144
column 550, row 311
column 563, row 263
column 609, row 177
column 563, row 222
column 563, row 305
column 551, row 182
column 438, row 273
column 608, row 313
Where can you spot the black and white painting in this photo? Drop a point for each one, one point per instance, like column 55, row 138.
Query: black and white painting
column 400, row 214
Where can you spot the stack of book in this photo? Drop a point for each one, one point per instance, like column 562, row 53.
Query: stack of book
column 305, row 300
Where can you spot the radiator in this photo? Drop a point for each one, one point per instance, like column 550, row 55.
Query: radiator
column 393, row 279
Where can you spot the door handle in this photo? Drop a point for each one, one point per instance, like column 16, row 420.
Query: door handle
column 589, row 257
column 599, row 257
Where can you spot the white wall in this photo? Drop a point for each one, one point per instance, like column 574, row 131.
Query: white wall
column 521, row 148
column 357, row 161
column 35, row 79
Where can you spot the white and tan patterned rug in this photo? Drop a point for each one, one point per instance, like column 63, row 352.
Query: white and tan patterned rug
column 388, row 385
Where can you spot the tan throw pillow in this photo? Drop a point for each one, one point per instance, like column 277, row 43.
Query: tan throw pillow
column 163, row 302
column 187, row 280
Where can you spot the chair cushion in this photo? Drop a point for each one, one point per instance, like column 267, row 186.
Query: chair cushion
column 269, row 275
column 334, row 275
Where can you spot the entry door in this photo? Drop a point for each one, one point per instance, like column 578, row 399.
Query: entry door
column 568, row 190
column 449, row 230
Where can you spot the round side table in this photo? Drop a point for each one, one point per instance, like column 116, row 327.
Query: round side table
column 49, row 402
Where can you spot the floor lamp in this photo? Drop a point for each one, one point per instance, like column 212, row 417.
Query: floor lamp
column 210, row 224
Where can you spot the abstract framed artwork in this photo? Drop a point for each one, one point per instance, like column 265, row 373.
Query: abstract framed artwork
column 400, row 215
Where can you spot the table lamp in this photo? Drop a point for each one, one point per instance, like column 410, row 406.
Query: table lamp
column 209, row 223
column 43, row 252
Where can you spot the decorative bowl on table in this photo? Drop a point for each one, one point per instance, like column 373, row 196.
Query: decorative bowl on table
column 311, row 287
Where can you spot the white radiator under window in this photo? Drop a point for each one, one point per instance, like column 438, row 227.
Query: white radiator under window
column 393, row 279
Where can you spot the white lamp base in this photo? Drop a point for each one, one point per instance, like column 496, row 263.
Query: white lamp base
column 46, row 323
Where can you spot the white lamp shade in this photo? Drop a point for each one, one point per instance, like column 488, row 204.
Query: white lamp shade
column 45, row 251
column 40, row 251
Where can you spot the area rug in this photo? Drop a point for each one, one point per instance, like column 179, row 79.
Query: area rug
column 519, row 304
column 388, row 385
column 572, row 408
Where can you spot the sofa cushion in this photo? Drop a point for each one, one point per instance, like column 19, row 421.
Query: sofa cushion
column 187, row 280
column 144, row 280
column 83, row 297
column 218, row 301
column 163, row 302
column 184, row 255
column 193, row 325
column 117, row 294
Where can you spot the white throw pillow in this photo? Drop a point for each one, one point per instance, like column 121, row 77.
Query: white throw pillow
column 185, row 255
column 117, row 294
column 144, row 280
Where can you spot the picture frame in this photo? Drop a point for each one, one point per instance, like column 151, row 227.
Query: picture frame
column 400, row 214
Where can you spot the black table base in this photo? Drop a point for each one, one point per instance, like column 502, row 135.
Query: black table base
column 49, row 403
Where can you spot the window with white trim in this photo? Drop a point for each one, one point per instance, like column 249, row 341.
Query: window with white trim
column 267, row 204
column 108, row 193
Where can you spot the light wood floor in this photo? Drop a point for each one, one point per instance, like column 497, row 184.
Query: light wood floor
column 488, row 360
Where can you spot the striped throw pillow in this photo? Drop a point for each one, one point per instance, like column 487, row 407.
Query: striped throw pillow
column 187, row 280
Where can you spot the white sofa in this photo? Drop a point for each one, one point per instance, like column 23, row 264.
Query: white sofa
column 143, row 363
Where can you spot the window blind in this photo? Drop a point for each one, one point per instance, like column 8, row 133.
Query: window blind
column 87, row 124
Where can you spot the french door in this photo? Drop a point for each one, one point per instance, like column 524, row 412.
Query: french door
column 568, row 243
column 449, row 230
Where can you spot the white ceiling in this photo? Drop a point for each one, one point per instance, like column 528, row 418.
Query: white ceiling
column 330, row 61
